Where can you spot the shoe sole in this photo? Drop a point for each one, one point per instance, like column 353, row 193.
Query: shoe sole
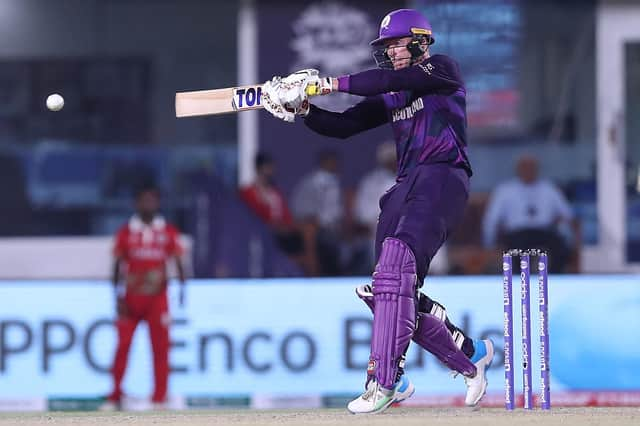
column 486, row 382
column 398, row 398
column 378, row 411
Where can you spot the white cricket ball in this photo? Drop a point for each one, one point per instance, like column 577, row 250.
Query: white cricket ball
column 55, row 102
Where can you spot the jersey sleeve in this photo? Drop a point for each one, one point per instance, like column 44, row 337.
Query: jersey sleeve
column 438, row 74
column 365, row 115
column 120, row 247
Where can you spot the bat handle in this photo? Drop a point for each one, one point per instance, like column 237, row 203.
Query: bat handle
column 312, row 90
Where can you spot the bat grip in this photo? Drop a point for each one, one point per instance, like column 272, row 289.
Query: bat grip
column 312, row 90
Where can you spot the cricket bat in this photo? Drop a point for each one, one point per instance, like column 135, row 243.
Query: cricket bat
column 223, row 101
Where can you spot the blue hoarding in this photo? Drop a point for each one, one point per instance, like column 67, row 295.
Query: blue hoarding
column 302, row 337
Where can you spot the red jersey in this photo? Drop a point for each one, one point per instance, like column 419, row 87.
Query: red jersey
column 268, row 203
column 145, row 249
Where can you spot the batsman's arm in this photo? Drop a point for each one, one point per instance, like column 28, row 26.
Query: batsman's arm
column 435, row 75
column 363, row 116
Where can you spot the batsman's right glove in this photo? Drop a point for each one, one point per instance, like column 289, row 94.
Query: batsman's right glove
column 271, row 100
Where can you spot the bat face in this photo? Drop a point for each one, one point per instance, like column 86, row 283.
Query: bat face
column 218, row 101
column 249, row 97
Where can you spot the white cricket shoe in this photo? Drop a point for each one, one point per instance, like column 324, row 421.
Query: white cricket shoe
column 404, row 389
column 377, row 399
column 477, row 386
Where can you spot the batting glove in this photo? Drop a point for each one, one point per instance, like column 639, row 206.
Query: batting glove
column 271, row 94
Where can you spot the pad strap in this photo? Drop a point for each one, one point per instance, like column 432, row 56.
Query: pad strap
column 433, row 335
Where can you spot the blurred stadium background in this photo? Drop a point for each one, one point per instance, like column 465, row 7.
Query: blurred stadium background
column 260, row 328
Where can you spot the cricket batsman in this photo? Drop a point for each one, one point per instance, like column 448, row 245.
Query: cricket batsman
column 423, row 98
column 142, row 248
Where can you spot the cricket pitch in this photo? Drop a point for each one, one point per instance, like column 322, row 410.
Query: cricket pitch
column 405, row 416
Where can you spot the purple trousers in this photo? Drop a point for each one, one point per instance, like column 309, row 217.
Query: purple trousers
column 418, row 214
column 423, row 210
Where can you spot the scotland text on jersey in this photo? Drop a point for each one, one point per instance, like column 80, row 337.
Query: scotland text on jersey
column 407, row 112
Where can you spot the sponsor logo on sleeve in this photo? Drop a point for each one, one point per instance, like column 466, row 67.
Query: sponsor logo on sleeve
column 427, row 68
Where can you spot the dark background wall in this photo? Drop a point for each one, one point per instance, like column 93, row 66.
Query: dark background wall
column 190, row 44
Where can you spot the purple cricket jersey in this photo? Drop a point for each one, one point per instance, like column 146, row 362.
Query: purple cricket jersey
column 425, row 105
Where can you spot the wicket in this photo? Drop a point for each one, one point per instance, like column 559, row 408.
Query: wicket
column 507, row 284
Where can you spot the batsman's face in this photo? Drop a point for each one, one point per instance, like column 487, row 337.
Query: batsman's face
column 397, row 51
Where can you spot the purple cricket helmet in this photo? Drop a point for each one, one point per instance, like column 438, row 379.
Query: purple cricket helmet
column 403, row 23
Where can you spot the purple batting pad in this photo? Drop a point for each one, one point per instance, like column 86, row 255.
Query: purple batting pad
column 394, row 317
column 432, row 335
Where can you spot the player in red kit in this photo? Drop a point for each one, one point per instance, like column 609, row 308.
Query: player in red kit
column 142, row 248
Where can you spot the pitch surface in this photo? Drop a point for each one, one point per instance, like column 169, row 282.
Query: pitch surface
column 338, row 417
